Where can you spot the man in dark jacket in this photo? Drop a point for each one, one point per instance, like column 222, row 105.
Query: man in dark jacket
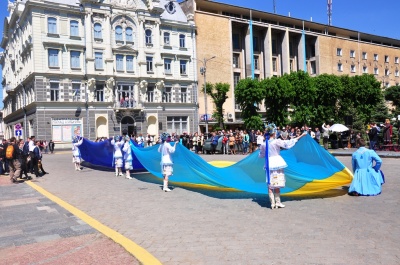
column 51, row 146
column 373, row 136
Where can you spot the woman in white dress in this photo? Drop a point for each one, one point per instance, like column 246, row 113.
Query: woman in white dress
column 276, row 177
column 166, row 149
column 118, row 158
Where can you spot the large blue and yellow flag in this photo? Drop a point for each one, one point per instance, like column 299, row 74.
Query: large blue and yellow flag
column 311, row 169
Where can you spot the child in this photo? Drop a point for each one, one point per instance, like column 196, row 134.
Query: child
column 76, row 154
column 117, row 143
column 127, row 157
column 166, row 161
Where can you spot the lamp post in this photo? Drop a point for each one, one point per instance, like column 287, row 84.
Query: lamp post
column 203, row 72
column 24, row 135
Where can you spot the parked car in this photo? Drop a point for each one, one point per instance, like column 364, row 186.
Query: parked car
column 207, row 145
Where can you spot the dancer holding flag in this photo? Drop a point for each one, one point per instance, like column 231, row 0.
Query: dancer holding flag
column 274, row 165
column 166, row 149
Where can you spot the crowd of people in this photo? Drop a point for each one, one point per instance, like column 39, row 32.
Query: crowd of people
column 20, row 157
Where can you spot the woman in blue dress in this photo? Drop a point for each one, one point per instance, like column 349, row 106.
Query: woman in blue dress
column 368, row 178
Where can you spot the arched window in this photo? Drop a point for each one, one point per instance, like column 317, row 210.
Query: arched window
column 129, row 34
column 97, row 31
column 52, row 25
column 118, row 33
column 148, row 34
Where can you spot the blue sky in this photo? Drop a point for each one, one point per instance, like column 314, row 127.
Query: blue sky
column 374, row 17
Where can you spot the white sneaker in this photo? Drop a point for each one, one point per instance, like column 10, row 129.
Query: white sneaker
column 280, row 205
column 116, row 174
column 166, row 189
column 128, row 177
column 121, row 175
column 79, row 169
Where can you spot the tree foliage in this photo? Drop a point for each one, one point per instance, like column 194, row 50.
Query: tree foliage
column 248, row 95
column 393, row 94
column 278, row 95
column 218, row 93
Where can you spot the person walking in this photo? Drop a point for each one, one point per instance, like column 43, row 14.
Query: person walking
column 51, row 146
column 275, row 176
column 325, row 135
column 166, row 149
column 368, row 178
column 12, row 155
column 373, row 136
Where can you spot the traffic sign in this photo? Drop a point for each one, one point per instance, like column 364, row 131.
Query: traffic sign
column 17, row 126
column 18, row 132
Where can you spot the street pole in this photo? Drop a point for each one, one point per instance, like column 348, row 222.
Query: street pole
column 203, row 71
column 24, row 132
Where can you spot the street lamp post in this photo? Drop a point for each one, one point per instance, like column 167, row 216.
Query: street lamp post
column 203, row 71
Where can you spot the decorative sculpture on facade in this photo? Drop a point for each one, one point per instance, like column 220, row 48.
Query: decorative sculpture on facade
column 108, row 93
column 143, row 89
column 158, row 91
column 124, row 3
column 91, row 85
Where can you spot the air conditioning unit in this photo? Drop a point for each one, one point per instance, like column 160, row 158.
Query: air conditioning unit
column 230, row 116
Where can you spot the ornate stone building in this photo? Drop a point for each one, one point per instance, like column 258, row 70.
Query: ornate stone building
column 98, row 68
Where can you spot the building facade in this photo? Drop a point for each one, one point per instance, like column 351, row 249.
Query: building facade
column 98, row 68
column 248, row 43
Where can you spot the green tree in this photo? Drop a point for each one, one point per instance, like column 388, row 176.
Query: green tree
column 393, row 94
column 305, row 98
column 248, row 95
column 218, row 93
column 381, row 112
column 278, row 95
column 328, row 92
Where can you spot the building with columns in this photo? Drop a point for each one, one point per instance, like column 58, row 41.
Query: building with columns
column 98, row 68
column 253, row 43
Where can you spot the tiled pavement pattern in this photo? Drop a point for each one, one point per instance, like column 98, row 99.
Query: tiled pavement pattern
column 35, row 230
column 207, row 227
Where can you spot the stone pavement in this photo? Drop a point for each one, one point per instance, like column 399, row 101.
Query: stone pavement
column 35, row 230
column 193, row 226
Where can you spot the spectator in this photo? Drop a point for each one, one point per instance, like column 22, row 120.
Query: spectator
column 325, row 135
column 51, row 146
column 373, row 135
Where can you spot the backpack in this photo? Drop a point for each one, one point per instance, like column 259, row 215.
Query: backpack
column 10, row 152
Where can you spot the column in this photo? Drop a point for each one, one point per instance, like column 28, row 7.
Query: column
column 285, row 52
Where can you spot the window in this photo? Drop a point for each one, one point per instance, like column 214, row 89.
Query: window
column 97, row 31
column 148, row 36
column 339, row 51
column 166, row 38
column 118, row 33
column 340, row 67
column 236, row 41
column 256, row 45
column 149, row 64
column 376, row 71
column 52, row 25
column 98, row 57
column 129, row 63
column 177, row 124
column 75, row 59
column 291, row 49
column 235, row 61
column 119, row 59
column 387, row 73
column 99, row 93
column 386, row 58
column 313, row 69
column 76, row 91
column 150, row 94
column 396, row 60
column 256, row 63
column 129, row 34
column 236, row 78
column 352, row 54
column 181, row 41
column 183, row 67
column 375, row 57
column 74, row 28
column 167, row 95
column 183, row 95
column 274, row 47
column 352, row 68
column 396, row 73
column 365, row 70
column 274, row 66
column 53, row 57
column 167, row 66
column 364, row 56
column 54, row 91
